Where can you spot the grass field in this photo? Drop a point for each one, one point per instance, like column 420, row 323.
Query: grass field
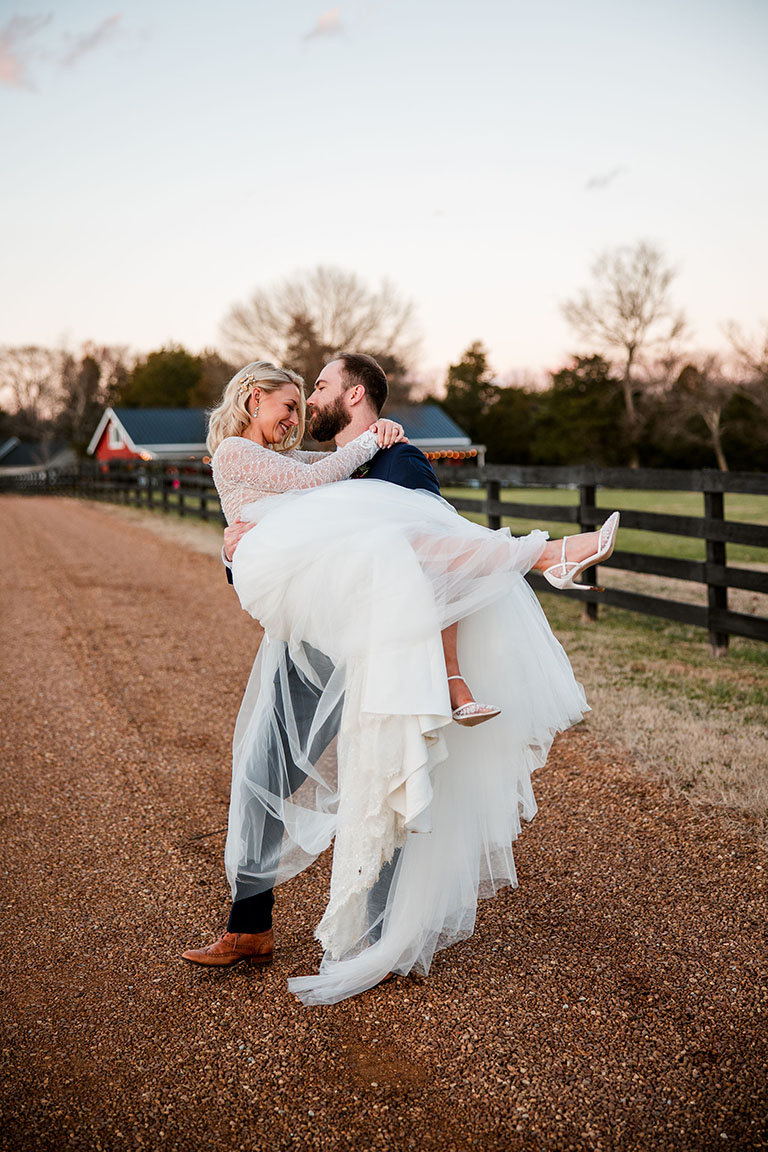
column 660, row 698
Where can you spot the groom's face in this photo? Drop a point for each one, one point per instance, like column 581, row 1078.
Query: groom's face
column 327, row 411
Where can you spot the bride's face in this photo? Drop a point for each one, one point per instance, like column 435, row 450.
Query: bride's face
column 278, row 413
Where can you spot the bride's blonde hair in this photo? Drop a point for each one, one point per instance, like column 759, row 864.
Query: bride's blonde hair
column 231, row 416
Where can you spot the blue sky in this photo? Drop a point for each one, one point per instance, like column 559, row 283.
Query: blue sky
column 161, row 160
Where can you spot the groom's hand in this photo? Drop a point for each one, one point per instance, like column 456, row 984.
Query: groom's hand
column 233, row 535
column 388, row 433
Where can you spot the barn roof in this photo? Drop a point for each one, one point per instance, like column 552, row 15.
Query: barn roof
column 427, row 423
column 157, row 430
column 163, row 431
column 160, row 426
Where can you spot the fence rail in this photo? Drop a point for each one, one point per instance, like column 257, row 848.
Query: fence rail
column 187, row 489
column 712, row 527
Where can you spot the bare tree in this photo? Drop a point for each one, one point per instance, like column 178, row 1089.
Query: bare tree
column 752, row 356
column 752, row 351
column 704, row 388
column 626, row 312
column 303, row 321
column 48, row 392
column 87, row 385
column 29, row 388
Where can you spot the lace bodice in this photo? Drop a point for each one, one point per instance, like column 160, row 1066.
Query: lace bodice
column 244, row 471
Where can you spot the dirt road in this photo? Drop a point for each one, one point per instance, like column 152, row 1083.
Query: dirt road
column 616, row 1000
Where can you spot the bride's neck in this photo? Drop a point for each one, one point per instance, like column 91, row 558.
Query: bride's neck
column 252, row 433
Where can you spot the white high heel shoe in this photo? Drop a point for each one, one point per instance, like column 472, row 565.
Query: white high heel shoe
column 470, row 714
column 563, row 575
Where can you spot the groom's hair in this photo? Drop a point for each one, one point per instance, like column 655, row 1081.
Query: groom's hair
column 362, row 369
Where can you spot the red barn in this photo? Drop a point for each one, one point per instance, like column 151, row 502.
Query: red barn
column 150, row 434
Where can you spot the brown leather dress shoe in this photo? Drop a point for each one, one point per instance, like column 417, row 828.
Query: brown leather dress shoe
column 235, row 948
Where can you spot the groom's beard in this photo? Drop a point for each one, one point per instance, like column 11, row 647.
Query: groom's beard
column 326, row 425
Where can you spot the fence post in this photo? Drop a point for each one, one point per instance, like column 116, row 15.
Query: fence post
column 587, row 497
column 717, row 594
column 493, row 490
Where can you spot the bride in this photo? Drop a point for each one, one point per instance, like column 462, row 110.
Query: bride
column 355, row 585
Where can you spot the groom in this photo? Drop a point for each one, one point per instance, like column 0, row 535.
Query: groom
column 348, row 397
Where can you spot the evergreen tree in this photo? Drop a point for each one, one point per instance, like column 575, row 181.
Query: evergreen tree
column 216, row 374
column 401, row 387
column 470, row 392
column 169, row 378
column 582, row 418
column 305, row 352
column 507, row 428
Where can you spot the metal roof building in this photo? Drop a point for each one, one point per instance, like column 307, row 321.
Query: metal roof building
column 178, row 433
column 432, row 430
column 19, row 456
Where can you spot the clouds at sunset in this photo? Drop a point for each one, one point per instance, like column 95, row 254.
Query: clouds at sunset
column 18, row 49
column 28, row 43
column 329, row 24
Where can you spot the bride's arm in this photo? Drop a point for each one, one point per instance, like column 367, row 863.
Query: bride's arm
column 308, row 457
column 238, row 461
column 388, row 432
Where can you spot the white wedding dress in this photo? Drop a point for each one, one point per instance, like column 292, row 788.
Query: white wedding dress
column 353, row 583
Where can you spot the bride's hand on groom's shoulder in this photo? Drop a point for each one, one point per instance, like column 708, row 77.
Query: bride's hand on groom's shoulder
column 389, row 433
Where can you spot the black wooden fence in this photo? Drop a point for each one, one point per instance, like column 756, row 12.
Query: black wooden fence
column 712, row 527
column 186, row 488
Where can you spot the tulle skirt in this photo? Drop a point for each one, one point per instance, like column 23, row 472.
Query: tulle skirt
column 345, row 730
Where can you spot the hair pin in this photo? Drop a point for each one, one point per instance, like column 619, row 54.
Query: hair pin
column 246, row 383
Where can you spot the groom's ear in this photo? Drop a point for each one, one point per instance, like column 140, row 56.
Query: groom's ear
column 355, row 394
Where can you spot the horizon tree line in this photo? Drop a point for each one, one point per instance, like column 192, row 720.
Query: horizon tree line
column 635, row 396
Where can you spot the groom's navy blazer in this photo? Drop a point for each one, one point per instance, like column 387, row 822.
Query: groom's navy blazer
column 401, row 464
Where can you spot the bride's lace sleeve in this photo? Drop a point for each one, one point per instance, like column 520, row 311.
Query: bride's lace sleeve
column 308, row 457
column 243, row 468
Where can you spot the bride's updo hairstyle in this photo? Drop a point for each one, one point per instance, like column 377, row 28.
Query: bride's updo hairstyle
column 231, row 417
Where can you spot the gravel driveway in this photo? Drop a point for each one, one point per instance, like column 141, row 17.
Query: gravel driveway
column 615, row 1000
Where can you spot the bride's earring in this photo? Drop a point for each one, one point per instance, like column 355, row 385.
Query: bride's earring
column 255, row 411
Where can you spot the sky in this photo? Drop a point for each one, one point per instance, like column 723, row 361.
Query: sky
column 161, row 160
